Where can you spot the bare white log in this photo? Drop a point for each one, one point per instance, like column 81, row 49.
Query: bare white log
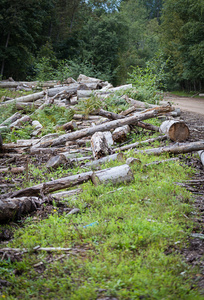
column 84, row 94
column 201, row 154
column 85, row 79
column 28, row 98
column 138, row 103
column 99, row 145
column 68, row 88
column 48, row 249
column 114, row 175
column 65, row 194
column 15, row 84
column 36, row 124
column 120, row 134
column 177, row 131
column 22, row 121
column 106, row 127
column 113, row 157
column 11, row 119
column 175, row 149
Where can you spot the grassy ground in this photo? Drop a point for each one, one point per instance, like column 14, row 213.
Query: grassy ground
column 125, row 241
column 120, row 242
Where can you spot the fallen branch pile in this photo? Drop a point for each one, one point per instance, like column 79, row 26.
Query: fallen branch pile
column 101, row 129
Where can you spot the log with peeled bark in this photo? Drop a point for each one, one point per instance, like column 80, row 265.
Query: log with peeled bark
column 22, row 121
column 201, row 154
column 72, row 88
column 15, row 84
column 114, row 175
column 28, row 98
column 177, row 148
column 176, row 130
column 120, row 134
column 105, row 127
column 99, row 145
column 134, row 145
column 13, row 208
column 112, row 157
column 11, row 119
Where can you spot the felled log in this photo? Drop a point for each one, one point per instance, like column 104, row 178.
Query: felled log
column 120, row 134
column 11, row 119
column 176, row 130
column 22, row 121
column 99, row 145
column 53, row 185
column 112, row 157
column 34, row 150
column 85, row 79
column 201, row 154
column 56, row 161
column 64, row 194
column 175, row 149
column 14, row 170
column 28, row 98
column 158, row 162
column 15, row 84
column 114, row 175
column 36, row 124
column 105, row 127
column 108, row 114
column 13, row 208
column 130, row 161
column 138, row 103
column 147, row 126
column 134, row 145
column 69, row 126
column 129, row 111
column 68, row 88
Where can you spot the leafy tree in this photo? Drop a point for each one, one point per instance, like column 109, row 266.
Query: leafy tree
column 21, row 28
column 183, row 41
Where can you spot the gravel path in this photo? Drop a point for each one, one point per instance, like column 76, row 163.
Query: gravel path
column 194, row 105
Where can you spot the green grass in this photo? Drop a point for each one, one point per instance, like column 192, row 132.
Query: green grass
column 125, row 241
column 123, row 252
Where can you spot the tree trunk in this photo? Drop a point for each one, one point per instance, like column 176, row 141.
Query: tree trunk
column 106, row 127
column 177, row 131
column 13, row 208
column 114, row 175
column 201, row 154
column 53, row 185
column 28, row 98
column 109, row 115
column 120, row 134
column 175, row 149
column 11, row 119
column 134, row 145
column 113, row 157
column 99, row 145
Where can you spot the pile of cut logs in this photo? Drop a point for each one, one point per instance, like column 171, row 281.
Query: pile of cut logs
column 97, row 133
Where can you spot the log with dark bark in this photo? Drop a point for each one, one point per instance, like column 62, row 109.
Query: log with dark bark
column 53, row 185
column 176, row 148
column 176, row 130
column 114, row 175
column 106, row 127
column 108, row 114
column 13, row 208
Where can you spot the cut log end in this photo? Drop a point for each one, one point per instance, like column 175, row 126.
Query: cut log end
column 177, row 131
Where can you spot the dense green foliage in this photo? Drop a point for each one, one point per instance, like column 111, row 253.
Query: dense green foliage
column 102, row 38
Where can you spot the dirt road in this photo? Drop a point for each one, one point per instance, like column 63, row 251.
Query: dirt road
column 194, row 105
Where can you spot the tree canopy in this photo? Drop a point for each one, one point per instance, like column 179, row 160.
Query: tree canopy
column 108, row 36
